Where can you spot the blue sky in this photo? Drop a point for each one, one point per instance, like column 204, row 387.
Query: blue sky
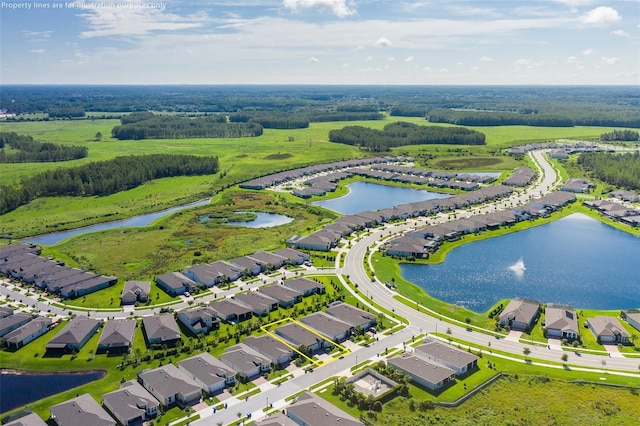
column 431, row 42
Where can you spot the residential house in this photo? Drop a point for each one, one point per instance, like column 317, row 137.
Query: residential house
column 175, row 283
column 422, row 371
column 248, row 265
column 246, row 362
column 75, row 334
column 322, row 240
column 258, row 302
column 25, row 419
column 276, row 350
column 200, row 320
column 577, row 185
column 170, row 386
column 131, row 405
column 161, row 329
column 520, row 314
column 330, row 326
column 608, row 330
column 13, row 322
column 5, row 311
column 27, row 333
column 305, row 286
column 117, row 334
column 294, row 257
column 82, row 288
column 269, row 260
column 311, row 410
column 561, row 321
column 277, row 419
column 298, row 336
column 285, row 296
column 352, row 315
column 209, row 372
column 81, row 410
column 135, row 291
column 459, row 361
column 625, row 195
column 231, row 311
column 632, row 317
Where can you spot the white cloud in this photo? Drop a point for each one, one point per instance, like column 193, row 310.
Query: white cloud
column 39, row 51
column 523, row 62
column 587, row 52
column 37, row 36
column 383, row 42
column 408, row 59
column 620, row 33
column 485, row 59
column 610, row 61
column 601, row 16
column 391, row 59
column 427, row 69
column 368, row 58
column 573, row 60
column 313, row 60
column 337, row 7
column 576, row 3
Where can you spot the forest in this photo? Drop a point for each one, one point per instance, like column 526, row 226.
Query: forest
column 621, row 170
column 104, row 177
column 149, row 126
column 620, row 135
column 402, row 133
column 23, row 149
column 301, row 120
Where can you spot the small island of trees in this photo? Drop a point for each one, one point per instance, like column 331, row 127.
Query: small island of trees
column 26, row 150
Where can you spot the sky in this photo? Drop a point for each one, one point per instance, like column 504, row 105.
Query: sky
column 425, row 42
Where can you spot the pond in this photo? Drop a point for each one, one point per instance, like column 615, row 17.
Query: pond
column 262, row 220
column 136, row 221
column 18, row 388
column 365, row 196
column 576, row 260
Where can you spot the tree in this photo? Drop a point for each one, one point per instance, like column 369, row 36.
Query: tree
column 98, row 137
column 526, row 351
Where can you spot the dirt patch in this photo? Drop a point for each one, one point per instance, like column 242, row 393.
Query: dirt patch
column 278, row 156
column 467, row 163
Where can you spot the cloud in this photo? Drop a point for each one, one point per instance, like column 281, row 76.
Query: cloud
column 383, row 42
column 523, row 62
column 610, row 61
column 408, row 59
column 620, row 33
column 485, row 59
column 37, row 36
column 39, row 51
column 337, row 7
column 573, row 60
column 587, row 52
column 313, row 60
column 391, row 59
column 602, row 16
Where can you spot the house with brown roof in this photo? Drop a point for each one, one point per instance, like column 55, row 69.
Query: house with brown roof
column 459, row 361
column 81, row 410
column 561, row 321
column 423, row 372
column 519, row 314
column 608, row 330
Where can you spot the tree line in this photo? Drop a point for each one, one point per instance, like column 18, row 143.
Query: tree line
column 621, row 170
column 104, row 177
column 146, row 125
column 620, row 135
column 26, row 150
column 301, row 120
column 402, row 133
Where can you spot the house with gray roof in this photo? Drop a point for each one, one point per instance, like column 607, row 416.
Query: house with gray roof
column 577, row 185
column 13, row 322
column 561, row 321
column 519, row 314
column 330, row 326
column 161, row 329
column 285, row 296
column 305, row 286
column 81, row 410
column 422, row 371
column 209, row 372
column 135, row 291
column 27, row 333
column 117, row 334
column 608, row 330
column 311, row 410
column 521, row 176
column 294, row 257
column 322, row 240
column 75, row 334
column 269, row 260
column 245, row 361
column 297, row 336
column 82, row 288
column 632, row 317
column 277, row 351
column 131, row 405
column 29, row 419
column 230, row 310
column 5, row 311
column 170, row 386
column 175, row 283
column 459, row 361
column 205, row 274
column 625, row 195
column 199, row 320
column 277, row 419
column 352, row 315
column 248, row 265
column 258, row 302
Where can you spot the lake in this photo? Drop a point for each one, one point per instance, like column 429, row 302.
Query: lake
column 18, row 388
column 263, row 220
column 366, row 196
column 576, row 260
column 136, row 221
